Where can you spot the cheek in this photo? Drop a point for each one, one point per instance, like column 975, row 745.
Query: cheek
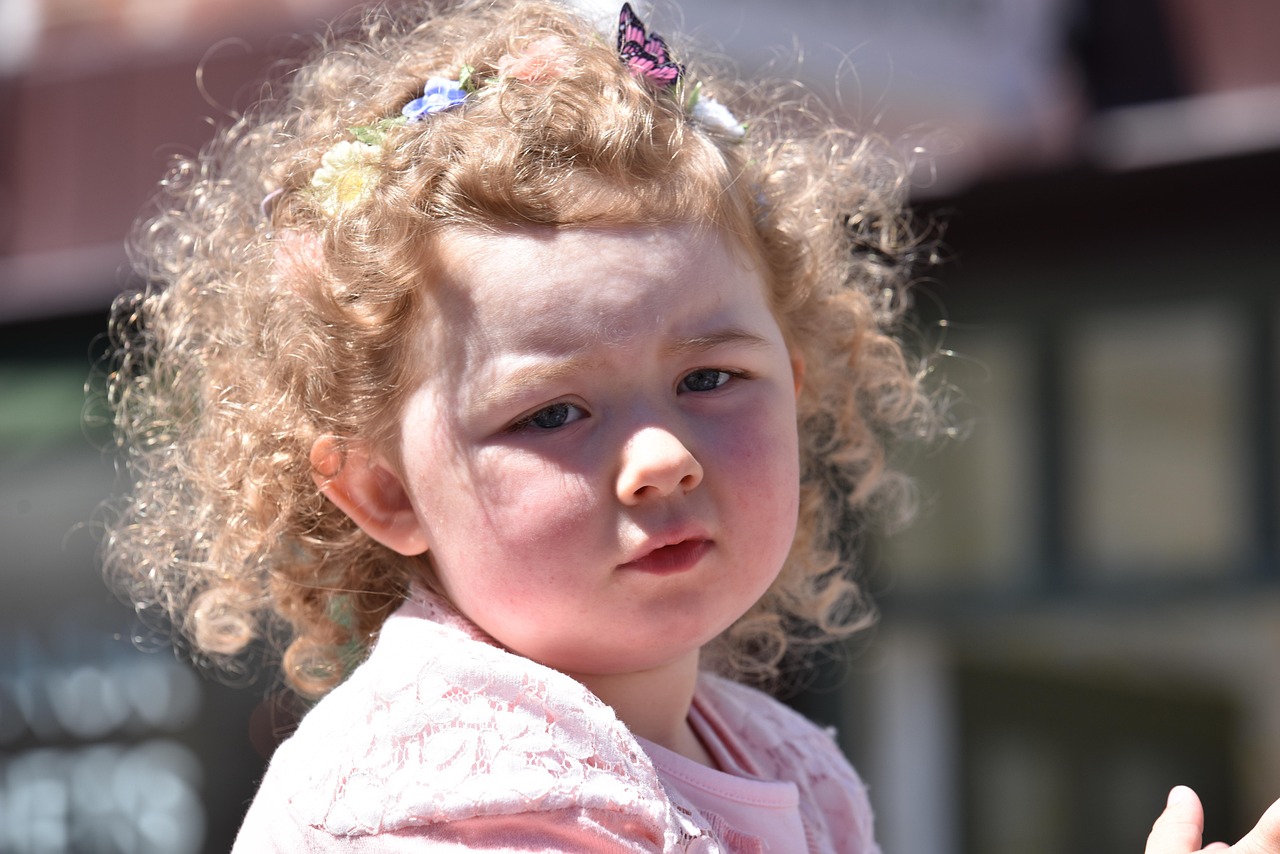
column 500, row 534
column 513, row 506
column 763, row 468
column 765, row 454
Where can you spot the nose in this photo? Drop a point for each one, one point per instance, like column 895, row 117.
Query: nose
column 656, row 463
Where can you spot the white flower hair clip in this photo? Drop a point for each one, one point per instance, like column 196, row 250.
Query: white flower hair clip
column 710, row 113
column 347, row 173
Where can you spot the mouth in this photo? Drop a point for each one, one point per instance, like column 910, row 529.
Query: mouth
column 672, row 558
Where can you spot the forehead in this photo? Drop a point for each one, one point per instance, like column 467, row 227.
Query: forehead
column 574, row 287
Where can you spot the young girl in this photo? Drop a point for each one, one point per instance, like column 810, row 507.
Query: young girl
column 516, row 380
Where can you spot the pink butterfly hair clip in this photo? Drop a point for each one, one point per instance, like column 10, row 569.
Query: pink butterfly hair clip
column 645, row 53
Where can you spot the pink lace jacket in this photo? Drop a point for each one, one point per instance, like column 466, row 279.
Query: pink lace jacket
column 443, row 741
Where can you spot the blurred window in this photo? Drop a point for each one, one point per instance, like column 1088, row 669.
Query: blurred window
column 1156, row 453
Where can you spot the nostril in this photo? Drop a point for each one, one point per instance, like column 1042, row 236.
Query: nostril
column 693, row 476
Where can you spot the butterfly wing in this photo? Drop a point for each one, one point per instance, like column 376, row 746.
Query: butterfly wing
column 656, row 47
column 664, row 73
column 630, row 30
column 645, row 54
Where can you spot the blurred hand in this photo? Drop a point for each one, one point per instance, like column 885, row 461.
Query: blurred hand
column 1179, row 827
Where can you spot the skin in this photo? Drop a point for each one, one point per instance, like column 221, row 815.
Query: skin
column 1179, row 828
column 601, row 459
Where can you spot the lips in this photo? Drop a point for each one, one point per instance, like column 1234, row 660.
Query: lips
column 669, row 559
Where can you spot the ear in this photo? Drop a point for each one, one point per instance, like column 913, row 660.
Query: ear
column 368, row 491
column 797, row 371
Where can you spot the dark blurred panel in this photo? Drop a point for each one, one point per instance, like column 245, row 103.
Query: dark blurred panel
column 108, row 742
column 1126, row 53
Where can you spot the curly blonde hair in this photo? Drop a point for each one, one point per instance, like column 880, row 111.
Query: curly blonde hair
column 270, row 320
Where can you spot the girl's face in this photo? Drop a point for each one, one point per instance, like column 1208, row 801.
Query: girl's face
column 602, row 461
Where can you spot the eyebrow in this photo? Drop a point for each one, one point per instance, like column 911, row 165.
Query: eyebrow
column 702, row 343
column 535, row 375
column 515, row 384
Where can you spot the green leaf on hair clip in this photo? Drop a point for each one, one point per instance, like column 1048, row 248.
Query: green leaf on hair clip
column 375, row 133
column 691, row 100
column 368, row 135
column 467, row 81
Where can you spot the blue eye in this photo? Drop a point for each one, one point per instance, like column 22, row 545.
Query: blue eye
column 551, row 417
column 706, row 379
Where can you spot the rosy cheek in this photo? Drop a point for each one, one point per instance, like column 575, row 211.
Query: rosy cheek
column 763, row 465
column 534, row 509
column 766, row 452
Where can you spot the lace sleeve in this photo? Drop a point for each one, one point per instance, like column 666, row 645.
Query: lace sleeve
column 573, row 831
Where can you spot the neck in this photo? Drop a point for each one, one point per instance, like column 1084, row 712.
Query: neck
column 654, row 704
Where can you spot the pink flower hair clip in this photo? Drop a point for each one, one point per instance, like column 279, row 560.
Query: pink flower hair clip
column 542, row 61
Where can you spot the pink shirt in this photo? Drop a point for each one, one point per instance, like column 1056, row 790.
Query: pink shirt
column 442, row 741
column 755, row 813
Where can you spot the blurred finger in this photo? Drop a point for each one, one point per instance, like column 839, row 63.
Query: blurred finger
column 1179, row 827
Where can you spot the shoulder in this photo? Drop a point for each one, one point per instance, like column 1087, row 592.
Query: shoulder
column 439, row 726
column 788, row 746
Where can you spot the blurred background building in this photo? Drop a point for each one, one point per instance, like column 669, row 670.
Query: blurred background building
column 1088, row 609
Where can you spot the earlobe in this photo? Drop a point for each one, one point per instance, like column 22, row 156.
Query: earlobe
column 369, row 492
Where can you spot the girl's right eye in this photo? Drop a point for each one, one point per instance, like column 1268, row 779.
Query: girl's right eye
column 551, row 417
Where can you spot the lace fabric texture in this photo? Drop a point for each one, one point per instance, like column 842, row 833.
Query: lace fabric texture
column 441, row 725
column 487, row 736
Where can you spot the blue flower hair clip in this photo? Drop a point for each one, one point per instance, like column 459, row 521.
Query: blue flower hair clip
column 438, row 95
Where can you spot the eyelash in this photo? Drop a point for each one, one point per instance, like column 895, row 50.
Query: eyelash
column 728, row 375
column 530, row 420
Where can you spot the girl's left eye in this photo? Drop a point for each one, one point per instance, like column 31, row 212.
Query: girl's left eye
column 551, row 417
column 706, row 379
